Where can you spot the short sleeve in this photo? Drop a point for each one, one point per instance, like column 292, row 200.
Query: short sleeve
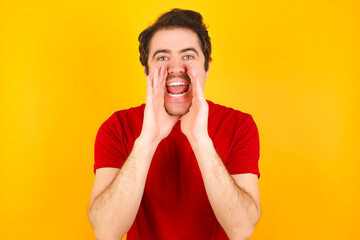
column 109, row 151
column 244, row 156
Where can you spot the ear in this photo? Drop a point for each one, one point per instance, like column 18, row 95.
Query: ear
column 207, row 72
column 145, row 71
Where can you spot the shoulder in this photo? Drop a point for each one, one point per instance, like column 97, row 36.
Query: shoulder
column 115, row 137
column 126, row 121
column 127, row 114
column 123, row 116
column 235, row 137
column 226, row 122
column 219, row 114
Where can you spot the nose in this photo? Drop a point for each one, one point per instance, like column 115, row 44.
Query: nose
column 176, row 67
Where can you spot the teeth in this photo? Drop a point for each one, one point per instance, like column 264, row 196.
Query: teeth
column 177, row 95
column 177, row 84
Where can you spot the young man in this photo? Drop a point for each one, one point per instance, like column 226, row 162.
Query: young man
column 179, row 167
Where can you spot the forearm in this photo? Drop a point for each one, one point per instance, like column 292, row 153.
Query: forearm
column 113, row 212
column 235, row 209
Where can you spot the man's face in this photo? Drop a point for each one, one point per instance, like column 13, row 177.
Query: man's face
column 179, row 51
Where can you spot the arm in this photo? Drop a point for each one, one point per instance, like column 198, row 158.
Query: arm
column 117, row 194
column 234, row 199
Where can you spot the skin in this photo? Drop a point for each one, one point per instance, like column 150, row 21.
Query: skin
column 117, row 194
column 168, row 49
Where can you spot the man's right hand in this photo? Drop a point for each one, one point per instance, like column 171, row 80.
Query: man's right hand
column 157, row 122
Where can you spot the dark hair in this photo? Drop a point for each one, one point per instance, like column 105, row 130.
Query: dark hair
column 176, row 18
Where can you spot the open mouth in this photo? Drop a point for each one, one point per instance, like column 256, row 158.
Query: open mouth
column 177, row 89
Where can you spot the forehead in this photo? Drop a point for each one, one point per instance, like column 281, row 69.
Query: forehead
column 174, row 39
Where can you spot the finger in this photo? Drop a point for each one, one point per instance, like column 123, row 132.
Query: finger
column 195, row 82
column 165, row 76
column 198, row 91
column 159, row 79
column 191, row 72
column 158, row 90
column 192, row 75
column 162, row 80
column 155, row 77
column 149, row 89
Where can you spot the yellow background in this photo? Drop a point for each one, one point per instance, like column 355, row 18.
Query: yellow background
column 66, row 66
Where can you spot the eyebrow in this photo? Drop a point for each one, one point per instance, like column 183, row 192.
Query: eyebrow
column 189, row 49
column 168, row 51
column 160, row 51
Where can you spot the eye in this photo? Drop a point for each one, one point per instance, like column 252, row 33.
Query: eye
column 188, row 57
column 162, row 58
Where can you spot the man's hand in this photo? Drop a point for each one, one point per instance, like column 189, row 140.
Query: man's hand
column 117, row 194
column 194, row 124
column 157, row 122
column 240, row 193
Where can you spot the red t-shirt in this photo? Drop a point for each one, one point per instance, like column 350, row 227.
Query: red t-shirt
column 174, row 203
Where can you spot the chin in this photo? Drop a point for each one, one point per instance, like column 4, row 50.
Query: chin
column 177, row 111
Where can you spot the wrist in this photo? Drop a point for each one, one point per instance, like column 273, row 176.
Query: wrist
column 147, row 142
column 204, row 150
column 199, row 141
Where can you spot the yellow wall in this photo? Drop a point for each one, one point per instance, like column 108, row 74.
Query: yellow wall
column 65, row 66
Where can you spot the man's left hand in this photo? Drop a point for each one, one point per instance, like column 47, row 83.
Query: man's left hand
column 194, row 124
